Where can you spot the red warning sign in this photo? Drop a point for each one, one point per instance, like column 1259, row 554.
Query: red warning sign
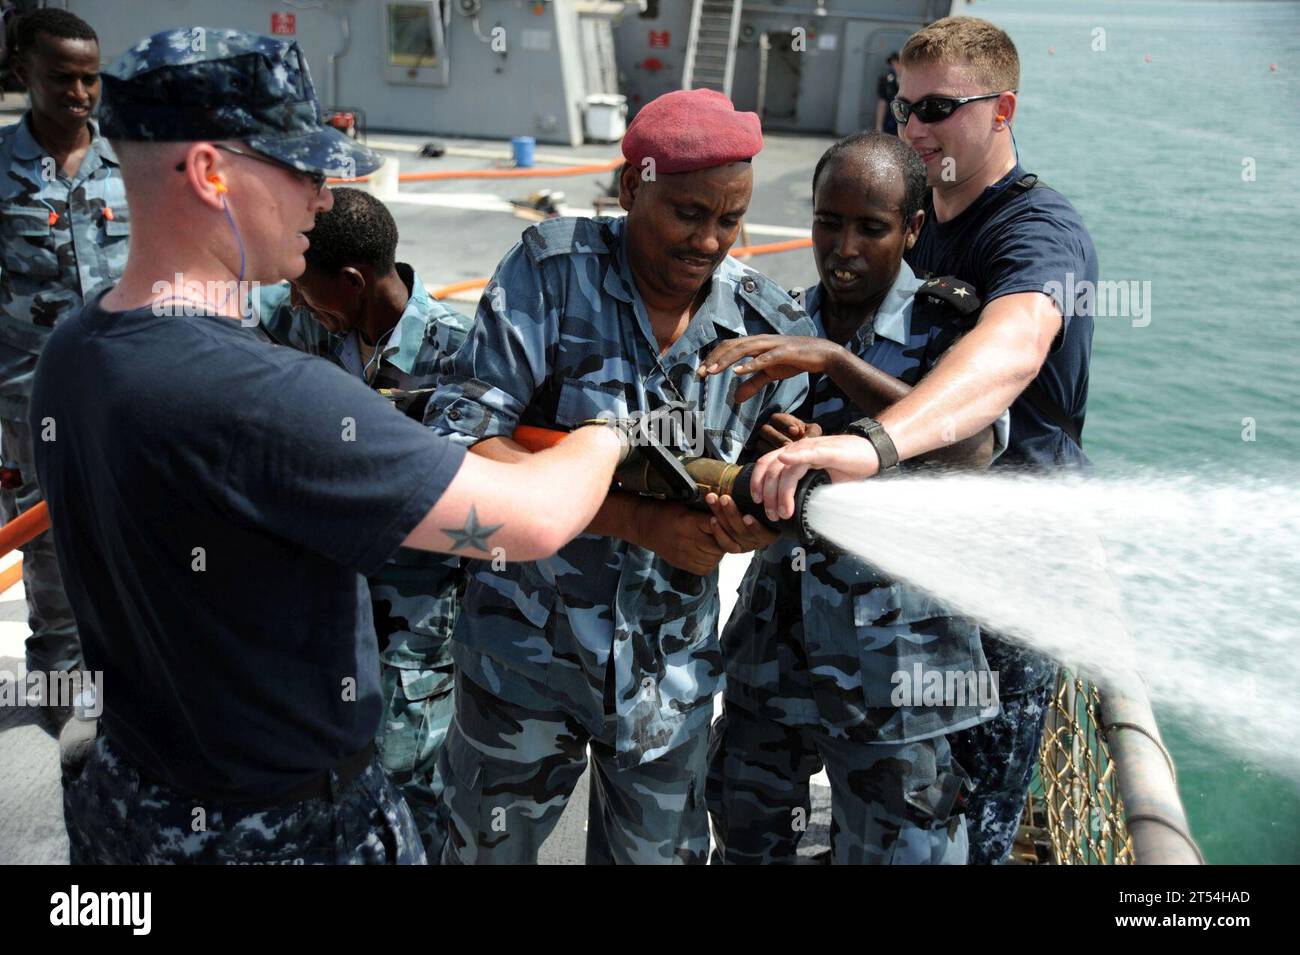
column 660, row 39
column 284, row 24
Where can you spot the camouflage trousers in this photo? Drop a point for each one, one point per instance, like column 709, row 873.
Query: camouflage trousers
column 114, row 817
column 410, row 738
column 510, row 771
column 53, row 644
column 1000, row 754
column 891, row 804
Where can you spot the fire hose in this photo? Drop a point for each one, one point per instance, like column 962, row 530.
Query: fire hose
column 657, row 469
column 654, row 468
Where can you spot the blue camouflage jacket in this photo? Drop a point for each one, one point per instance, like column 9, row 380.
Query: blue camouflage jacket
column 414, row 596
column 817, row 636
column 562, row 336
column 63, row 240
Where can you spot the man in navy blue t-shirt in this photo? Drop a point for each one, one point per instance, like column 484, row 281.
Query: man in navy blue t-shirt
column 216, row 501
column 1020, row 236
column 1022, row 248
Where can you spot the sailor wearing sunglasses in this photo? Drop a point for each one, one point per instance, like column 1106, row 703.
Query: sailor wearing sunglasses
column 995, row 226
column 999, row 228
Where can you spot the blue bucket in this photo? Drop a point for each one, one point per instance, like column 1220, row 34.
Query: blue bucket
column 522, row 147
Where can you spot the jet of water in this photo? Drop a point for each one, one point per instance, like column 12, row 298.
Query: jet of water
column 1192, row 583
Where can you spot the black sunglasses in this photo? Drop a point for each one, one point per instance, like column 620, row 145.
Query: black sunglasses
column 317, row 178
column 933, row 109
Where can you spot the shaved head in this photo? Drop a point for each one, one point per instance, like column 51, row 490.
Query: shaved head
column 879, row 157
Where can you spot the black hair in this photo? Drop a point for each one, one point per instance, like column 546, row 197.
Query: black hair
column 358, row 230
column 50, row 21
column 888, row 151
column 892, row 57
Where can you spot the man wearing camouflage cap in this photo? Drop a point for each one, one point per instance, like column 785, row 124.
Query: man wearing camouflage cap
column 63, row 228
column 613, row 643
column 220, row 501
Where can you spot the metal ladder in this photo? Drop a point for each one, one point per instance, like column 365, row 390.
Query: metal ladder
column 711, row 46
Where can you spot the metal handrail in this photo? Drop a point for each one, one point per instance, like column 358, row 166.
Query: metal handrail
column 1106, row 792
column 692, row 39
column 1145, row 775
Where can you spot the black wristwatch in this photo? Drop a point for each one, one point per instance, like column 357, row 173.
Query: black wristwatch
column 871, row 429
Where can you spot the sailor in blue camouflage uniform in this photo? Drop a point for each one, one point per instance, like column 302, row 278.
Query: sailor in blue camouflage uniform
column 63, row 228
column 371, row 315
column 826, row 657
column 271, row 765
column 612, row 643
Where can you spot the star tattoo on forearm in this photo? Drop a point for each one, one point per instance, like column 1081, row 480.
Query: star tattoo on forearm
column 473, row 536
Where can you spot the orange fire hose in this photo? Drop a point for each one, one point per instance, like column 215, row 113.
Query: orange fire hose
column 767, row 248
column 538, row 439
column 29, row 524
column 11, row 575
column 530, row 173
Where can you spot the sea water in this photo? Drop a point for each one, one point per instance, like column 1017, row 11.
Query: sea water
column 1184, row 167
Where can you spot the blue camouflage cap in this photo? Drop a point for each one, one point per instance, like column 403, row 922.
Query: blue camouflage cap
column 198, row 83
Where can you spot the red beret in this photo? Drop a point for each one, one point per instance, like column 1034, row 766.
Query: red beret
column 691, row 129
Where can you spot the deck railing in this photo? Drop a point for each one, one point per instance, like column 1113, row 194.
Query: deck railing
column 1106, row 789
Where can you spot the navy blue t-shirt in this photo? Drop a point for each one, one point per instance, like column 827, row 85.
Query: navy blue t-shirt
column 1032, row 242
column 216, row 501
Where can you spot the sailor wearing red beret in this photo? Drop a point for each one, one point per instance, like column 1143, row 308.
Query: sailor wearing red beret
column 613, row 643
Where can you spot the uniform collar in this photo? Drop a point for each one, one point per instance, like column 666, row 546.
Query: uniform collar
column 732, row 275
column 25, row 146
column 403, row 346
column 102, row 145
column 893, row 317
column 618, row 281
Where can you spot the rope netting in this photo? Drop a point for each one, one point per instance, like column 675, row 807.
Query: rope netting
column 1074, row 814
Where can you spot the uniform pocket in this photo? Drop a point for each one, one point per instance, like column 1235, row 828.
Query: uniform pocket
column 905, row 637
column 884, row 617
column 893, row 604
column 408, row 733
column 421, row 685
column 118, row 227
column 29, row 249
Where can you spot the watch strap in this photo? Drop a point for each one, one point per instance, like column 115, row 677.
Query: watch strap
column 872, row 430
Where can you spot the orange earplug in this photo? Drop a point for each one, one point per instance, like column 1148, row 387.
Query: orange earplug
column 217, row 183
